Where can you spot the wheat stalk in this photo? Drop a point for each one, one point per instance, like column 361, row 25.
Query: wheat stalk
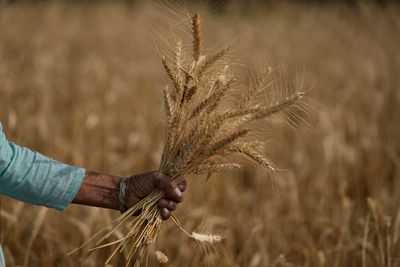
column 202, row 131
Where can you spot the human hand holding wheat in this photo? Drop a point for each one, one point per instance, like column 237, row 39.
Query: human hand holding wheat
column 205, row 131
column 141, row 185
column 103, row 190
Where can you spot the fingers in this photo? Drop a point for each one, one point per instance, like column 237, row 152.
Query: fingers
column 165, row 214
column 171, row 189
column 168, row 204
column 173, row 193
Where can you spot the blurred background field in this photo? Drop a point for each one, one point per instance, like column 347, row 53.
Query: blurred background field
column 81, row 82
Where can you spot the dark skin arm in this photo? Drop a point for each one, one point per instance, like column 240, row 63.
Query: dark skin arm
column 102, row 190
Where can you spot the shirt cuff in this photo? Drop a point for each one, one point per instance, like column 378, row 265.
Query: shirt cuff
column 77, row 178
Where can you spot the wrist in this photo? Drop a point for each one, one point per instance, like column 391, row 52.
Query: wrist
column 99, row 190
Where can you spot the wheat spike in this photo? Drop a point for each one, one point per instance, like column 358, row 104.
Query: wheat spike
column 258, row 86
column 190, row 93
column 196, row 28
column 226, row 141
column 161, row 257
column 172, row 75
column 191, row 86
column 208, row 63
column 206, row 238
column 211, row 102
column 214, row 77
column 171, row 133
column 235, row 114
column 220, row 92
column 205, row 103
column 288, row 102
column 178, row 64
column 207, row 169
column 168, row 104
column 221, row 87
column 252, row 154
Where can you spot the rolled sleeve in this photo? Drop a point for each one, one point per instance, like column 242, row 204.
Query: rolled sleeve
column 33, row 178
column 2, row 260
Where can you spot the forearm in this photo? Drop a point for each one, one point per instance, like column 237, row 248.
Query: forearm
column 36, row 179
column 31, row 177
column 99, row 190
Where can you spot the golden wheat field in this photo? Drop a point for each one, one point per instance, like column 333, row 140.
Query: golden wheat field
column 82, row 82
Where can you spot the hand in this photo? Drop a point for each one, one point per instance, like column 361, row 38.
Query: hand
column 141, row 185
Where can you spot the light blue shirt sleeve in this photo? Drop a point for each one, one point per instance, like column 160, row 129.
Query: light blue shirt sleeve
column 33, row 178
column 2, row 260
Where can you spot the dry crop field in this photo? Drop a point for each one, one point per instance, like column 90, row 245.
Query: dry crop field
column 82, row 83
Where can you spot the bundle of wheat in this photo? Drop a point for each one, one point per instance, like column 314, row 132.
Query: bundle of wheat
column 203, row 132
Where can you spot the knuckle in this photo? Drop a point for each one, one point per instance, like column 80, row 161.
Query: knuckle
column 178, row 198
column 172, row 205
column 171, row 188
column 165, row 213
column 162, row 203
